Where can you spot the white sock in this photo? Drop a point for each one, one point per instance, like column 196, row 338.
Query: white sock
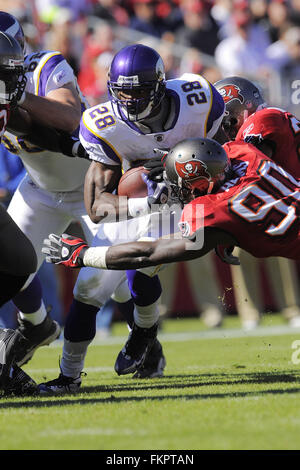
column 145, row 317
column 35, row 317
column 72, row 362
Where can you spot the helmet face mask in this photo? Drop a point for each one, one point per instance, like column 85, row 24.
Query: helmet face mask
column 136, row 82
column 242, row 98
column 12, row 78
column 195, row 167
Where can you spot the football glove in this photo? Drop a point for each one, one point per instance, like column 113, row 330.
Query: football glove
column 225, row 254
column 70, row 146
column 155, row 166
column 158, row 193
column 64, row 249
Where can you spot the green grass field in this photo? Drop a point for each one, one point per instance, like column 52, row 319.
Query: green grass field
column 223, row 389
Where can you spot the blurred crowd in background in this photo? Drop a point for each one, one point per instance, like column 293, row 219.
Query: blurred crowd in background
column 258, row 39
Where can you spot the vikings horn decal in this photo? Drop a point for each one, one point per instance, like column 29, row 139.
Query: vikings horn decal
column 231, row 92
column 192, row 169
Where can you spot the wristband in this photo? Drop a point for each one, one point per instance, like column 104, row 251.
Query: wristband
column 138, row 206
column 95, row 257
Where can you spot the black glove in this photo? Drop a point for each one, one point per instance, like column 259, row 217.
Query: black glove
column 155, row 166
column 71, row 147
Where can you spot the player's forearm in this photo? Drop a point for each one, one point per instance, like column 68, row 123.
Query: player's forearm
column 107, row 208
column 113, row 208
column 20, row 123
column 52, row 113
column 45, row 137
column 137, row 255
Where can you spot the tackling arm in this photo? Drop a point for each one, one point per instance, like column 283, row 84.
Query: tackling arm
column 75, row 253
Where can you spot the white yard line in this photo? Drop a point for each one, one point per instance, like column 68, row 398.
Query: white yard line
column 55, row 370
column 181, row 337
column 221, row 333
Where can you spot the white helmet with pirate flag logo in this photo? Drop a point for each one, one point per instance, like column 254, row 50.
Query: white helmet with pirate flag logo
column 194, row 167
column 242, row 98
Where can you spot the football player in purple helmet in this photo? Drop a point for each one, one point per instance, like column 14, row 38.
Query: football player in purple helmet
column 144, row 112
column 136, row 83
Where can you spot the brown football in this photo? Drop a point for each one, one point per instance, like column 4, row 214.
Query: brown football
column 132, row 184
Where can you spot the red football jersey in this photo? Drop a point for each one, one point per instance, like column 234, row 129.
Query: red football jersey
column 258, row 205
column 279, row 127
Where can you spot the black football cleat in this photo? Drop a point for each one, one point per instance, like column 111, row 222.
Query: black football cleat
column 19, row 383
column 133, row 354
column 36, row 335
column 10, row 342
column 61, row 385
column 154, row 363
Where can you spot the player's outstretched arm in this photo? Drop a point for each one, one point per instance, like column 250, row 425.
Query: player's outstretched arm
column 74, row 252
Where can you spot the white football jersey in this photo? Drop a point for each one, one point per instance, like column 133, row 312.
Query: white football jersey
column 47, row 71
column 110, row 140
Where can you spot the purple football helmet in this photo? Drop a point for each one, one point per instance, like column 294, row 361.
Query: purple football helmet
column 10, row 25
column 136, row 82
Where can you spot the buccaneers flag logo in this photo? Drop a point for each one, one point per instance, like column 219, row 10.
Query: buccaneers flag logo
column 231, row 92
column 192, row 169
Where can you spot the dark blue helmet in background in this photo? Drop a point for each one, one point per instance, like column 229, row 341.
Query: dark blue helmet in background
column 136, row 82
column 10, row 25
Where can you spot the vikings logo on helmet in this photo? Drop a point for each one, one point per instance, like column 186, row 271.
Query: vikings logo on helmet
column 231, row 92
column 192, row 169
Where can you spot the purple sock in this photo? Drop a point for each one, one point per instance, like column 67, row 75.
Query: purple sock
column 144, row 290
column 80, row 322
column 29, row 300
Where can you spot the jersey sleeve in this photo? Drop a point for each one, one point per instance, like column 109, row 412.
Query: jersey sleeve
column 196, row 216
column 98, row 149
column 51, row 73
column 266, row 124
